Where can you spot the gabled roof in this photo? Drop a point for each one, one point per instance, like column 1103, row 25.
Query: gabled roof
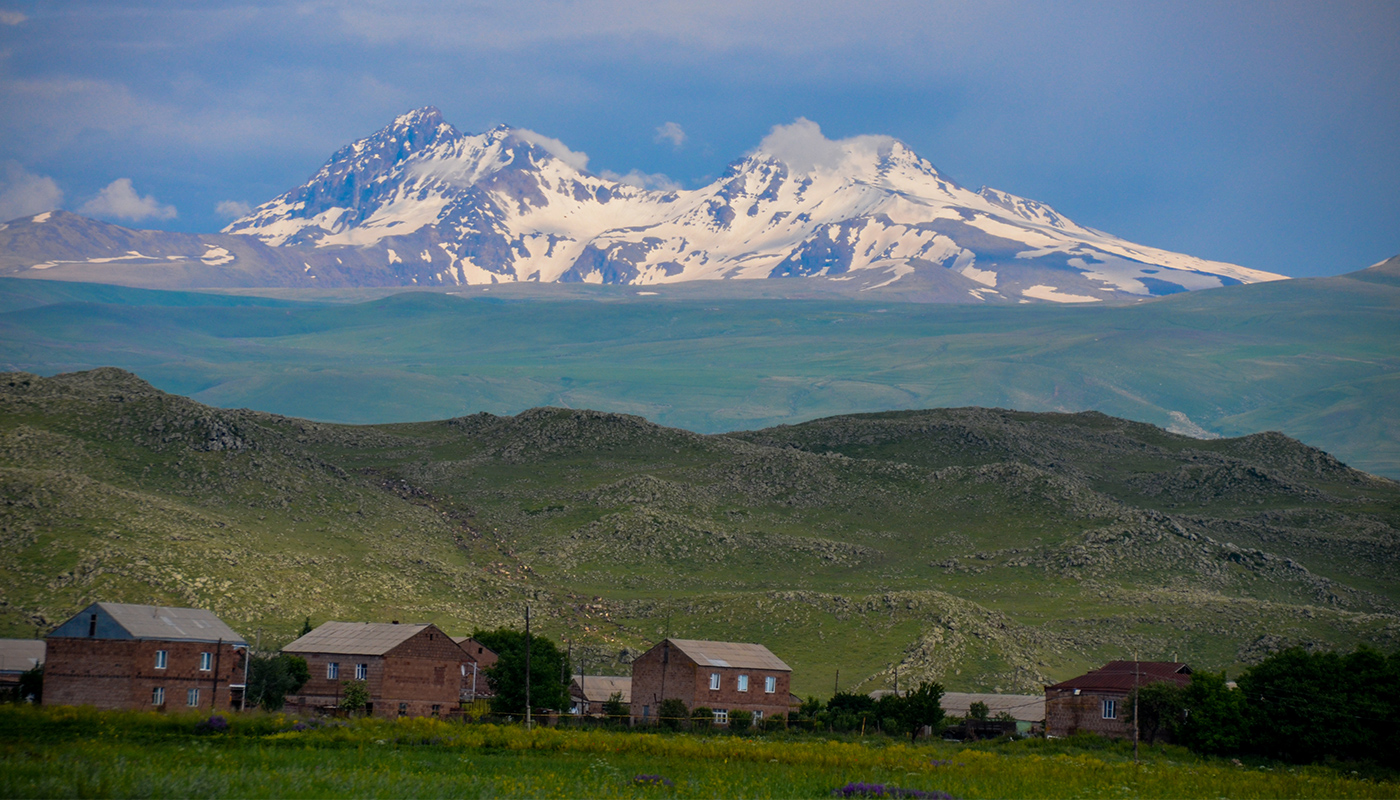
column 1122, row 676
column 356, row 638
column 729, row 654
column 162, row 623
column 598, row 688
column 21, row 655
column 471, row 649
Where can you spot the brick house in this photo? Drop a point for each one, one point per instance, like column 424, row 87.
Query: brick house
column 479, row 659
column 588, row 693
column 409, row 670
column 720, row 676
column 1096, row 701
column 119, row 655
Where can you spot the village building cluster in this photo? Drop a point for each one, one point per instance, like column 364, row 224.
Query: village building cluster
column 127, row 656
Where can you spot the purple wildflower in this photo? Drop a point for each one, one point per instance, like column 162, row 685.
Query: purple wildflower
column 215, row 724
column 652, row 780
column 856, row 789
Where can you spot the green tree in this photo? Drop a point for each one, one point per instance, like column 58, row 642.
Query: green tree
column 613, row 708
column 1160, row 706
column 272, row 678
column 306, row 626
column 30, row 688
column 507, row 676
column 1214, row 717
column 354, row 696
column 672, row 712
column 923, row 706
column 740, row 721
column 979, row 711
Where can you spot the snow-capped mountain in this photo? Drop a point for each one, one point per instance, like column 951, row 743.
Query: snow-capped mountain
column 506, row 205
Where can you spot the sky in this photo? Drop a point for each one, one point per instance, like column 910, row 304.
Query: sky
column 1266, row 134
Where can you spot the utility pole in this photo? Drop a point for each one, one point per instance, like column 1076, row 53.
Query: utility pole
column 528, row 720
column 835, row 690
column 1137, row 686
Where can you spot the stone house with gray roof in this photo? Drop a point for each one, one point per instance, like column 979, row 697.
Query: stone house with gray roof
column 409, row 670
column 721, row 676
column 123, row 655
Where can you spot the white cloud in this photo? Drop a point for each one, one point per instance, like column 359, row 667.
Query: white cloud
column 671, row 132
column 233, row 209
column 11, row 18
column 654, row 181
column 554, row 147
column 23, row 193
column 803, row 148
column 120, row 200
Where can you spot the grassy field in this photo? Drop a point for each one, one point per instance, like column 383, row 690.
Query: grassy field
column 1313, row 358
column 83, row 753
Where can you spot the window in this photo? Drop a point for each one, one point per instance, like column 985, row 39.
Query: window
column 158, row 696
column 206, row 662
column 714, row 680
column 361, row 671
column 192, row 698
column 403, row 709
column 332, row 671
column 92, row 625
column 757, row 717
column 1110, row 709
column 646, row 712
column 743, row 683
column 437, row 710
column 770, row 684
column 160, row 659
column 721, row 716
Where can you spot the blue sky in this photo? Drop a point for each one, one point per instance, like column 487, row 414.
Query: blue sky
column 1265, row 134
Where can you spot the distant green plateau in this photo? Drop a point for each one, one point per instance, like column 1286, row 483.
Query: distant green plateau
column 988, row 549
column 1317, row 359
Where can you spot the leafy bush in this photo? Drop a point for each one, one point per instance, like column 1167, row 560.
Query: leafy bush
column 672, row 712
column 740, row 721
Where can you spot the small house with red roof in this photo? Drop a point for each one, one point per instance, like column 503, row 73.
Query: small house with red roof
column 1096, row 701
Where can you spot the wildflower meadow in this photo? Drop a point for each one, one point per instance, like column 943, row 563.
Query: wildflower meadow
column 69, row 752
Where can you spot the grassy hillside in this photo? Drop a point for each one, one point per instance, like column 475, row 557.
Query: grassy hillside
column 1313, row 358
column 989, row 549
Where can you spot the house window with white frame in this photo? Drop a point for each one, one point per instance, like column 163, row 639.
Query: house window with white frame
column 757, row 717
column 361, row 671
column 743, row 683
column 770, row 684
column 192, row 698
column 206, row 662
column 161, row 656
column 721, row 716
column 714, row 681
column 1110, row 709
column 158, row 696
column 332, row 670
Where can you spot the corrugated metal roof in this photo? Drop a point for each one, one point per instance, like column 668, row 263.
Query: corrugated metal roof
column 355, row 638
column 168, row 624
column 1024, row 707
column 1124, row 675
column 729, row 654
column 598, row 688
column 21, row 655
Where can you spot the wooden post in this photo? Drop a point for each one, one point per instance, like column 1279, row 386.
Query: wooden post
column 528, row 720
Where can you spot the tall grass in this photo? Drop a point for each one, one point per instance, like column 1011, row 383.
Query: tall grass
column 85, row 753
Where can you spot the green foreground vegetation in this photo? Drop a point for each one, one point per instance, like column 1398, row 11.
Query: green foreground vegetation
column 71, row 752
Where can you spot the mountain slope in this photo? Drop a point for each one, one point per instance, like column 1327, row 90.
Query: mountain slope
column 419, row 203
column 984, row 548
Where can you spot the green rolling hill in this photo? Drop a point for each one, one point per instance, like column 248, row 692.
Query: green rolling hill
column 1313, row 358
column 989, row 549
